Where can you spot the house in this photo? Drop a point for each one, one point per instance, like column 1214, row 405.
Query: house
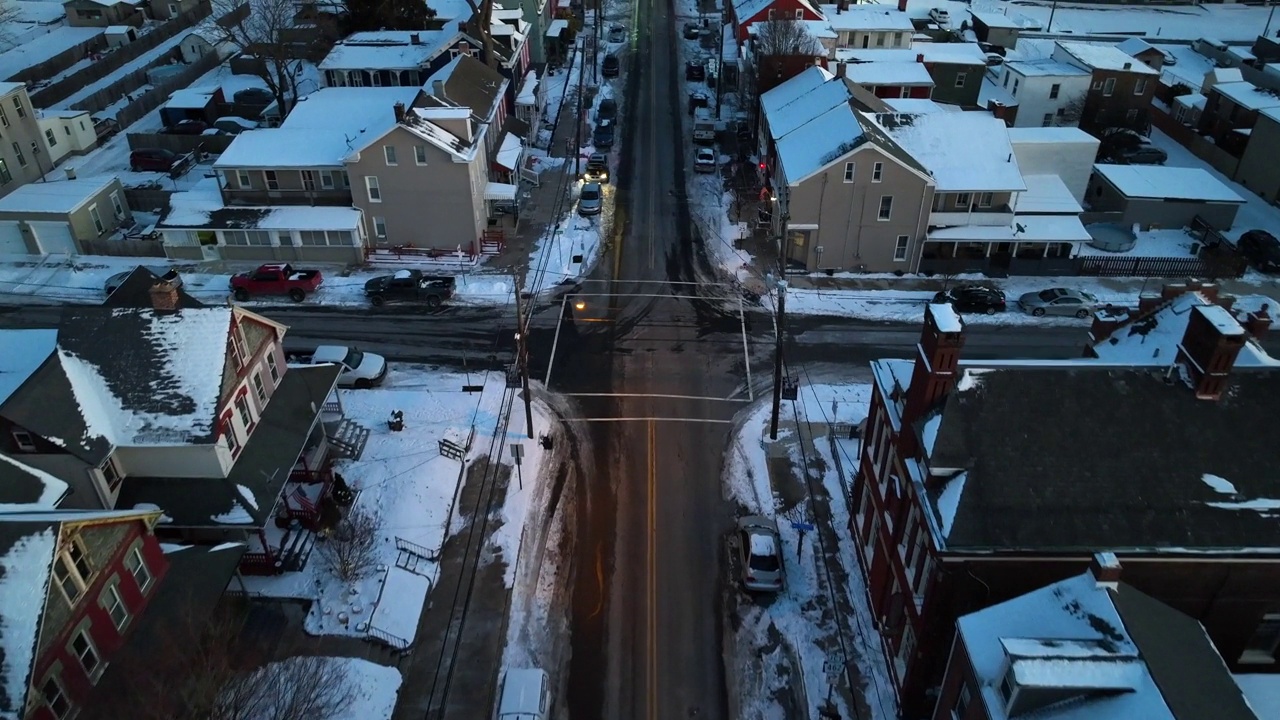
column 1230, row 112
column 1258, row 169
column 850, row 196
column 104, row 13
column 1159, row 196
column 169, row 9
column 66, row 132
column 995, row 28
column 201, row 419
column 62, row 216
column 1049, row 93
column 942, row 476
column 745, row 13
column 1066, row 152
column 393, row 58
column 22, row 159
column 434, row 160
column 1120, row 88
column 203, row 103
column 1144, row 52
column 956, row 69
column 868, row 27
column 890, row 79
column 1088, row 647
column 200, row 41
column 538, row 15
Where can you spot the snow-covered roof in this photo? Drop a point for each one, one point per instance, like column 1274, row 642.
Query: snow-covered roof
column 422, row 122
column 192, row 98
column 867, row 17
column 919, row 106
column 992, row 92
column 945, row 318
column 793, row 89
column 1153, row 339
column 801, row 99
column 59, row 196
column 928, row 52
column 1047, row 194
column 906, row 74
column 508, row 155
column 1135, row 46
column 1247, row 95
column 202, row 207
column 1104, row 57
column 321, row 130
column 819, row 29
column 818, row 143
column 1024, row 228
column 1262, row 690
column 26, row 563
column 1054, row 135
column 1044, row 67
column 993, row 19
column 965, row 152
column 24, row 352
column 1159, row 182
column 1272, row 114
column 389, row 49
column 744, row 10
column 28, row 488
column 527, row 94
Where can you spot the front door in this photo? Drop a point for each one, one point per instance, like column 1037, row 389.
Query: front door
column 798, row 248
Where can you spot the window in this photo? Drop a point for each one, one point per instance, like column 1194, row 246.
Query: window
column 869, row 544
column 1015, row 88
column 879, row 39
column 1008, row 686
column 5, row 175
column 116, row 206
column 115, row 607
column 877, row 172
column 242, row 408
column 55, row 699
column 1108, row 86
column 137, row 567
column 285, row 238
column 963, row 200
column 259, row 389
column 375, row 191
column 246, row 237
column 1097, row 85
column 1131, row 114
column 322, row 238
column 900, row 248
column 1140, row 87
column 886, row 207
column 773, row 14
column 243, row 180
column 1054, row 89
column 97, row 219
column 85, row 651
column 985, row 199
column 906, row 650
column 17, row 150
column 380, row 227
column 24, row 440
column 4, row 119
column 273, row 182
column 1006, row 78
column 1047, row 120
column 72, row 570
column 308, row 180
column 17, row 105
column 961, row 78
column 420, row 154
column 53, row 139
column 799, row 14
column 326, row 180
column 389, row 152
column 271, row 368
column 849, row 169
column 110, row 475
column 962, row 702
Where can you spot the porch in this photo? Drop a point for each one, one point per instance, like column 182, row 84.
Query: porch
column 997, row 259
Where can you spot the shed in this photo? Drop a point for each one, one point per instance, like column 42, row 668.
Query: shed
column 201, row 41
column 1144, row 52
column 202, row 103
column 1155, row 196
column 119, row 35
column 55, row 217
column 995, row 28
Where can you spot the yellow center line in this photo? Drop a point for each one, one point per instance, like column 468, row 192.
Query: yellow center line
column 652, row 574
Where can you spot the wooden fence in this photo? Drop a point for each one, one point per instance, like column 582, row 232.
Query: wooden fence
column 148, row 199
column 1221, row 160
column 123, row 248
column 1210, row 264
column 180, row 144
column 61, row 61
column 115, row 59
column 158, row 94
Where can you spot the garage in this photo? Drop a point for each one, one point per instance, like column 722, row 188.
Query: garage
column 11, row 241
column 53, row 236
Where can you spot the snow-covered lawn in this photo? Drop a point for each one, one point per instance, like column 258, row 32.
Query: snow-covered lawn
column 375, row 688
column 412, row 489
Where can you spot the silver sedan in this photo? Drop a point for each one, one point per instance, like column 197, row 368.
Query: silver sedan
column 760, row 549
column 1059, row 301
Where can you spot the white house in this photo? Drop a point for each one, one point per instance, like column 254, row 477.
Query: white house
column 1046, row 91
column 1066, row 152
column 869, row 26
column 66, row 132
column 201, row 41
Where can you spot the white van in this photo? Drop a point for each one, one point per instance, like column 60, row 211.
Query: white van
column 1204, row 43
column 524, row 695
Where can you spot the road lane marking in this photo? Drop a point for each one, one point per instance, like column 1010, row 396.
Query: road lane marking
column 746, row 351
column 546, row 382
column 656, row 419
column 657, row 395
column 651, row 480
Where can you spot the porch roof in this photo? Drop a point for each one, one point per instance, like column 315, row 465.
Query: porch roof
column 1047, row 194
column 499, row 191
column 248, row 495
column 1025, row 228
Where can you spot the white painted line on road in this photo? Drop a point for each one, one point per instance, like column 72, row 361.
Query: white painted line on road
column 546, row 383
column 746, row 352
column 657, row 282
column 658, row 419
column 655, row 395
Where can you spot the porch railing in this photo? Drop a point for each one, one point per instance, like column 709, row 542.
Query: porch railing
column 416, row 549
column 392, row 641
column 259, row 563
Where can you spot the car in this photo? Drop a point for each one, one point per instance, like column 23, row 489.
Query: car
column 153, row 160
column 691, row 31
column 617, row 34
column 1169, row 58
column 409, row 286
column 940, row 16
column 705, row 160
column 971, row 298
column 1262, row 249
column 597, row 168
column 254, row 96
column 525, row 695
column 603, row 135
column 760, row 552
column 361, row 370
column 276, row 279
column 694, row 71
column 611, row 66
column 992, row 48
column 994, row 59
column 187, row 127
column 590, row 199
column 233, row 125
column 1146, row 154
column 162, row 273
column 607, row 110
column 1059, row 301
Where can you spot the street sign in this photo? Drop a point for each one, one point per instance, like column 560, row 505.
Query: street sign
column 834, row 670
column 802, row 527
column 517, row 452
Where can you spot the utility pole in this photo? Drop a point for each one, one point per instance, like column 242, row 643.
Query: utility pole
column 1270, row 14
column 1049, row 27
column 779, row 329
column 522, row 359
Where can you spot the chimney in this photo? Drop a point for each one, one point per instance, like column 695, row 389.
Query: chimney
column 1149, row 301
column 1128, row 65
column 437, row 89
column 996, row 108
column 415, row 39
column 1105, row 321
column 1209, row 348
column 462, row 25
column 935, row 369
column 919, row 57
column 164, row 297
column 902, row 5
column 1105, row 569
column 398, row 109
column 841, row 69
column 1258, row 322
column 840, row 7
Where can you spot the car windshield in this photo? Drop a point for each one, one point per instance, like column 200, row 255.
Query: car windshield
column 353, row 359
column 590, row 194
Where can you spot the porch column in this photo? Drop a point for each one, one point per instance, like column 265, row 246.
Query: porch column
column 266, row 546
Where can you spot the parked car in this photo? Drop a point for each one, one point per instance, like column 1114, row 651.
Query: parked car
column 154, row 160
column 1144, row 154
column 603, row 135
column 233, row 125
column 607, row 110
column 276, row 279
column 525, row 695
column 940, row 16
column 1262, row 249
column 994, row 59
column 409, row 286
column 694, row 71
column 1128, row 147
column 617, row 34
column 760, row 553
column 973, row 299
column 611, row 66
column 359, row 369
column 597, row 168
column 1169, row 58
column 1059, row 301
column 254, row 96
column 705, row 160
column 164, row 273
column 691, row 31
column 992, row 48
column 590, row 199
column 187, row 127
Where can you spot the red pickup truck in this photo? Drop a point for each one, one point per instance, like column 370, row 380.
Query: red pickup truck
column 276, row 279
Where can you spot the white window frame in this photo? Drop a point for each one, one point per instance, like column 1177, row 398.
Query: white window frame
column 140, row 568
column 881, row 215
column 71, row 571
column 116, row 205
column 271, row 179
column 985, row 199
column 372, row 188
column 1140, row 86
column 244, row 180
column 901, row 248
column 961, row 79
column 259, row 388
column 51, row 137
column 850, row 171
column 326, row 180
column 799, row 14
column 90, row 649
column 420, row 154
column 238, row 347
column 963, row 698
column 244, row 412
column 233, row 440
column 273, row 369
column 877, row 172
column 389, row 155
column 97, row 219
column 963, row 200
column 24, row 440
column 379, row 227
column 60, row 693
column 111, row 480
column 906, row 648
column 872, row 530
column 1108, row 87
column 1055, row 90
column 111, row 602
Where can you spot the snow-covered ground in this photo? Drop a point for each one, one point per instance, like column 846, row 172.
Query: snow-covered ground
column 375, row 688
column 412, row 489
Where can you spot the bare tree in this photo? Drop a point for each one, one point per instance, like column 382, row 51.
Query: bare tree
column 262, row 33
column 785, row 36
column 481, row 25
column 351, row 547
column 1072, row 111
column 9, row 14
column 297, row 688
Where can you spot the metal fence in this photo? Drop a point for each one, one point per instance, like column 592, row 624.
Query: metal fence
column 123, row 248
column 114, row 60
column 157, row 95
column 1209, row 265
column 180, row 144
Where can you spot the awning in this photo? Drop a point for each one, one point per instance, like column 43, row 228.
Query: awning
column 509, row 154
column 528, row 93
column 499, row 191
column 1025, row 228
column 556, row 27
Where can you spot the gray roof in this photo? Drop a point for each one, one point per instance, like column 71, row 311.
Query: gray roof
column 22, row 486
column 47, row 406
column 1075, row 456
column 20, row 620
column 468, row 83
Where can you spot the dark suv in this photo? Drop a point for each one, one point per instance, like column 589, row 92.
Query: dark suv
column 409, row 286
column 187, row 127
column 1262, row 249
column 153, row 160
column 973, row 299
column 611, row 66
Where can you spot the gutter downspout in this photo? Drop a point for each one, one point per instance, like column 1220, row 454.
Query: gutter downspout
column 921, row 225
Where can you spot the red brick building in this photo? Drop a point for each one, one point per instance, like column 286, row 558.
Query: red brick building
column 980, row 482
column 745, row 13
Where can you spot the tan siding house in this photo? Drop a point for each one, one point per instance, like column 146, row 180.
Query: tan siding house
column 63, row 216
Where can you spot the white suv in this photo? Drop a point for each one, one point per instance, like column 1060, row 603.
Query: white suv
column 940, row 16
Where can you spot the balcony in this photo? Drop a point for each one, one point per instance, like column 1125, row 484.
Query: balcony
column 1001, row 215
column 335, row 198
